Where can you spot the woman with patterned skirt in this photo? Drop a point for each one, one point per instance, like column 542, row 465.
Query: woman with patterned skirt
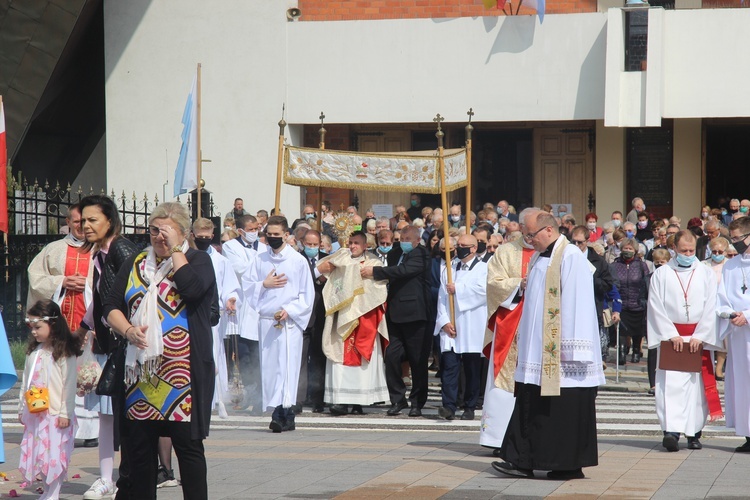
column 161, row 303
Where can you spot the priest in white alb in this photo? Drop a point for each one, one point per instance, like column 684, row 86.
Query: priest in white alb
column 505, row 273
column 553, row 426
column 230, row 295
column 279, row 286
column 461, row 337
column 734, row 309
column 682, row 310
column 355, row 332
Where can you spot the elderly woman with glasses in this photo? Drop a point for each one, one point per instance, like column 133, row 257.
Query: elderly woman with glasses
column 161, row 304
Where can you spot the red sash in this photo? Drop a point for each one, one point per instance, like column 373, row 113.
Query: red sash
column 362, row 340
column 709, row 381
column 504, row 323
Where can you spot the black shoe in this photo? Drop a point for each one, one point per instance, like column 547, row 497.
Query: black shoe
column 467, row 415
column 636, row 357
column 339, row 410
column 511, row 470
column 415, row 411
column 446, row 413
column 745, row 448
column 396, row 408
column 694, row 443
column 652, row 391
column 565, row 475
column 670, row 443
column 297, row 409
column 357, row 410
column 288, row 426
column 433, row 367
column 276, row 426
column 90, row 443
column 496, row 452
column 318, row 408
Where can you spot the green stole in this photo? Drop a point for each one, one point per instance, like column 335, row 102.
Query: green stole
column 552, row 323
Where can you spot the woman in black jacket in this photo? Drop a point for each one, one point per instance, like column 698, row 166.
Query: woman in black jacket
column 631, row 272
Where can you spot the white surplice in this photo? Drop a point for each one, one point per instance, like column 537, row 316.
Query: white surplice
column 280, row 348
column 737, row 373
column 242, row 257
column 680, row 396
column 470, row 308
column 229, row 288
column 580, row 353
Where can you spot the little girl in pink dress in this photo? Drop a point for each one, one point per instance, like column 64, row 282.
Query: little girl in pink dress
column 48, row 436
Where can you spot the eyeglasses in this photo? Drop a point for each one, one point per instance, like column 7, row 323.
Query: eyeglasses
column 153, row 230
column 530, row 236
column 34, row 321
column 740, row 238
column 717, row 252
column 579, row 243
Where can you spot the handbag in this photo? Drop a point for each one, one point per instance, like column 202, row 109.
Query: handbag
column 607, row 318
column 37, row 398
column 113, row 371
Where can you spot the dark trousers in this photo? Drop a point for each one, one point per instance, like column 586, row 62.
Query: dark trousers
column 249, row 354
column 450, row 363
column 652, row 367
column 408, row 342
column 143, row 447
column 312, row 372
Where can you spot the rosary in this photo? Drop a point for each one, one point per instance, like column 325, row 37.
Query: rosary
column 685, row 293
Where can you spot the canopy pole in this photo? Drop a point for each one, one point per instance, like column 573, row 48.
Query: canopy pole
column 198, row 135
column 469, row 129
column 280, row 163
column 322, row 145
column 444, row 200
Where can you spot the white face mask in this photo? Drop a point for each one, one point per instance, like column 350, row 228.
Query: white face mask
column 526, row 244
column 250, row 236
column 591, row 226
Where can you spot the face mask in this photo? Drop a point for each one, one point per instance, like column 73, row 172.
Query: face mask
column 704, row 214
column 628, row 254
column 591, row 226
column 452, row 254
column 733, row 210
column 250, row 236
column 723, row 212
column 527, row 244
column 562, row 214
column 481, row 247
column 740, row 246
column 227, row 227
column 616, row 223
column 309, row 216
column 455, row 218
column 463, row 252
column 501, row 230
column 628, row 234
column 407, row 246
column 642, row 224
column 275, row 242
column 499, row 211
column 684, row 260
column 311, row 252
column 657, row 266
column 744, row 209
column 671, row 252
column 717, row 258
column 413, row 203
column 644, row 208
column 385, row 249
column 618, row 244
column 203, row 243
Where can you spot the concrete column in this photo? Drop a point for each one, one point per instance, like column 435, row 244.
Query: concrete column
column 687, row 186
column 610, row 171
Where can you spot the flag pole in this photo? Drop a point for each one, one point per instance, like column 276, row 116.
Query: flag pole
column 279, row 164
column 444, row 200
column 198, row 134
column 4, row 173
column 469, row 129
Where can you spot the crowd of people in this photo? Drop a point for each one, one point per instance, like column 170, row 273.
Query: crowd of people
column 277, row 318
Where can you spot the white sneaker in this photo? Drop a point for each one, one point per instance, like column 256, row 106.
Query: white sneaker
column 100, row 489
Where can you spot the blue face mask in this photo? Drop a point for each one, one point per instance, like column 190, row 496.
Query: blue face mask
column 311, row 252
column 684, row 260
column 718, row 258
column 309, row 216
column 628, row 234
column 407, row 246
column 385, row 249
column 723, row 212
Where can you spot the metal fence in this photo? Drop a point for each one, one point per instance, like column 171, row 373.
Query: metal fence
column 36, row 216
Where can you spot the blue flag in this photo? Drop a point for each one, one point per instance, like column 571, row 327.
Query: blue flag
column 186, row 174
column 8, row 375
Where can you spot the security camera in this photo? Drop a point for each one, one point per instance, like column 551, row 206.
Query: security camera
column 293, row 14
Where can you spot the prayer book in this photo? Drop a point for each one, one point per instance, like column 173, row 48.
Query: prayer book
column 684, row 361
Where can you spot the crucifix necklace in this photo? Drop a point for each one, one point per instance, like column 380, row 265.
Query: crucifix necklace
column 685, row 293
column 744, row 286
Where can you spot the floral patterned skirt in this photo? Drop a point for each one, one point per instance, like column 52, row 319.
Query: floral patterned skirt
column 45, row 449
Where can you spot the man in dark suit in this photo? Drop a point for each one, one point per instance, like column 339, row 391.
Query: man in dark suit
column 313, row 370
column 502, row 211
column 407, row 312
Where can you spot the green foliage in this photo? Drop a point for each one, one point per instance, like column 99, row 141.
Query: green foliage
column 18, row 352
